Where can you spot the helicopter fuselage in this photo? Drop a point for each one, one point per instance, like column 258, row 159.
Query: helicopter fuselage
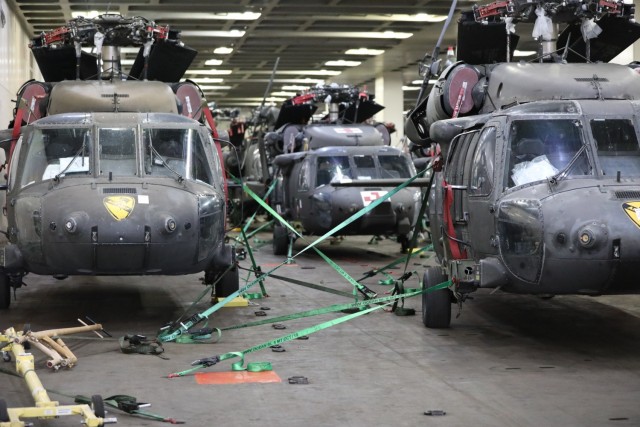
column 542, row 198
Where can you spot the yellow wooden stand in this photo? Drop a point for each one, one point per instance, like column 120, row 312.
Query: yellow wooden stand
column 44, row 407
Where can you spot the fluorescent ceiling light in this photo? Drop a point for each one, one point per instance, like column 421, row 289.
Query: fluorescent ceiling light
column 391, row 17
column 524, row 52
column 127, row 61
column 208, row 33
column 207, row 80
column 410, row 87
column 213, row 62
column 205, row 87
column 275, row 99
column 223, row 50
column 90, row 14
column 334, row 34
column 209, row 72
column 342, row 63
column 419, row 82
column 364, row 51
column 421, row 17
column 282, row 93
column 303, row 72
column 231, row 16
column 294, row 87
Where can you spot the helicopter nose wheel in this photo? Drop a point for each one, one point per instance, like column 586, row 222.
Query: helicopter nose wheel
column 436, row 305
column 280, row 240
column 5, row 291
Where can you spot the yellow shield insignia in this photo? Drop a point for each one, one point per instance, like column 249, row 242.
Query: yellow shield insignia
column 120, row 207
column 633, row 210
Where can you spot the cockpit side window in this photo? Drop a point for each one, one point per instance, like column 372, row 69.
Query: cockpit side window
column 617, row 146
column 483, row 164
column 541, row 148
column 117, row 151
column 47, row 153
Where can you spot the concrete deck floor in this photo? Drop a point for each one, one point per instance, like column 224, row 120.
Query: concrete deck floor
column 508, row 360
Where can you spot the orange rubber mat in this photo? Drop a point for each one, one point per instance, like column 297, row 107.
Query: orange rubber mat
column 237, row 377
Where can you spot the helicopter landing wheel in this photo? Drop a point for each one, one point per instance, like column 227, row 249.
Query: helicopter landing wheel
column 5, row 291
column 4, row 412
column 228, row 284
column 436, row 305
column 280, row 240
column 97, row 405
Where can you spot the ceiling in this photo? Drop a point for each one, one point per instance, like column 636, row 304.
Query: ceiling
column 302, row 34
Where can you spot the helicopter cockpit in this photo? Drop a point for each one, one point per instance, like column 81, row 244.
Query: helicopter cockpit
column 361, row 167
column 49, row 151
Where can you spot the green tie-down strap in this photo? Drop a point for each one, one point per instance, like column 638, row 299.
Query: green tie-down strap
column 172, row 332
column 383, row 301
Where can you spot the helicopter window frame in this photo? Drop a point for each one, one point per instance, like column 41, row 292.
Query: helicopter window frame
column 119, row 163
column 617, row 156
column 13, row 172
column 304, row 177
column 183, row 153
column 538, row 148
column 53, row 151
column 483, row 164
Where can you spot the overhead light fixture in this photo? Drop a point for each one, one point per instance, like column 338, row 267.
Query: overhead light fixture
column 210, row 87
column 209, row 33
column 336, row 34
column 410, row 87
column 89, row 14
column 209, row 72
column 127, row 61
column 207, row 80
column 422, row 17
column 364, row 51
column 342, row 63
column 524, row 52
column 213, row 62
column 419, row 82
column 391, row 17
column 307, row 72
column 295, row 87
column 223, row 50
column 282, row 93
column 230, row 16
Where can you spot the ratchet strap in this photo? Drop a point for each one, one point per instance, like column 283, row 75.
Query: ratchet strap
column 239, row 366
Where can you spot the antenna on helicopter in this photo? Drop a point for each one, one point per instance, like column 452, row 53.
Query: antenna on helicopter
column 431, row 70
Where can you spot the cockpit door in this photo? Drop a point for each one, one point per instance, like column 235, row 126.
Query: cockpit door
column 481, row 192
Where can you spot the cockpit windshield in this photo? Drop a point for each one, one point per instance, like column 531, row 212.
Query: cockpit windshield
column 53, row 153
column 47, row 153
column 617, row 147
column 542, row 148
column 175, row 152
column 361, row 167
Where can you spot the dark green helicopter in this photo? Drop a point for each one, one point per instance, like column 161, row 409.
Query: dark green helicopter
column 112, row 173
column 538, row 189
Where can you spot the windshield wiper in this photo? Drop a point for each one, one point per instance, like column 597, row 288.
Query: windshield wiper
column 75, row 156
column 164, row 162
column 555, row 179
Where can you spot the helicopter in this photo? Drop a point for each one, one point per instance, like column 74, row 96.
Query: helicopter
column 307, row 156
column 536, row 185
column 112, row 173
